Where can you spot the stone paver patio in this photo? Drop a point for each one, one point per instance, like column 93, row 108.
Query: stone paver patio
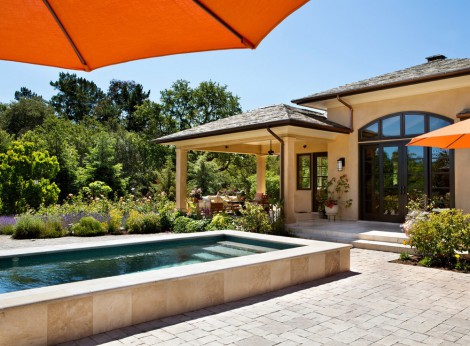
column 377, row 303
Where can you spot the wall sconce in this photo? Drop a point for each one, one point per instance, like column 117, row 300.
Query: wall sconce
column 341, row 163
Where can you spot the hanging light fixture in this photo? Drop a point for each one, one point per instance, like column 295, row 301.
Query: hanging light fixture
column 271, row 151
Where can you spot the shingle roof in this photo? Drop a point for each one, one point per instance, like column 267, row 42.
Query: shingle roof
column 432, row 70
column 261, row 118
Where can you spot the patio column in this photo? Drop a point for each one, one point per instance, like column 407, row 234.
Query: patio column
column 261, row 173
column 289, row 179
column 181, row 176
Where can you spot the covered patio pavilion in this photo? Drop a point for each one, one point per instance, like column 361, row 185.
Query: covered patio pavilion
column 291, row 130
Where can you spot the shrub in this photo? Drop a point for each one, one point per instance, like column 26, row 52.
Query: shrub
column 441, row 234
column 254, row 219
column 143, row 223
column 53, row 227
column 181, row 224
column 426, row 261
column 404, row 256
column 88, row 227
column 29, row 227
column 221, row 221
column 7, row 225
column 7, row 230
column 115, row 220
column 197, row 226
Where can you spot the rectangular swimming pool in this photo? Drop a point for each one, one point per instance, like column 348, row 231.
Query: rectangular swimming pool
column 68, row 311
column 41, row 270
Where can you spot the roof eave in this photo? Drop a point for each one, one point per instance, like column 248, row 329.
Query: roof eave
column 288, row 122
column 453, row 74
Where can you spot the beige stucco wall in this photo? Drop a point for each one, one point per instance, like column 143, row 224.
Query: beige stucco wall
column 447, row 103
column 303, row 198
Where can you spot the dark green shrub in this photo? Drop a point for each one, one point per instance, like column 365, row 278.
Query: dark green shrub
column 29, row 227
column 181, row 224
column 88, row 227
column 254, row 219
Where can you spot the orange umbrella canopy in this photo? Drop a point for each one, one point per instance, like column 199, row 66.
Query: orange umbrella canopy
column 88, row 34
column 454, row 136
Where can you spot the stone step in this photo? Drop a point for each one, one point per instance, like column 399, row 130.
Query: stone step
column 344, row 239
column 381, row 236
column 382, row 246
column 323, row 233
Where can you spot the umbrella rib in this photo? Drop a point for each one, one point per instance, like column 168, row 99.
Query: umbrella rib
column 449, row 145
column 64, row 31
column 243, row 39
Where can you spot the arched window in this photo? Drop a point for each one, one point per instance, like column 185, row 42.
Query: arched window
column 402, row 125
column 390, row 171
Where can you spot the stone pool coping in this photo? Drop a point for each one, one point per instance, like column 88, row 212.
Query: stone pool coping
column 54, row 314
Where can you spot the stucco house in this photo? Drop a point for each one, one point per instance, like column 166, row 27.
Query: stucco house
column 359, row 129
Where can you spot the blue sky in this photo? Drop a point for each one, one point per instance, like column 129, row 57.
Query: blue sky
column 324, row 44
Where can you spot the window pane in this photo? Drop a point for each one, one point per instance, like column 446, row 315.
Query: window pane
column 437, row 123
column 391, row 126
column 303, row 172
column 370, row 132
column 414, row 124
column 440, row 177
column 415, row 160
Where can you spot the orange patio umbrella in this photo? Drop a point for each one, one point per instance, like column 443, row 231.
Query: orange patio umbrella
column 455, row 136
column 89, row 34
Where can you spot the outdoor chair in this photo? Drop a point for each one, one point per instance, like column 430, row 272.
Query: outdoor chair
column 217, row 207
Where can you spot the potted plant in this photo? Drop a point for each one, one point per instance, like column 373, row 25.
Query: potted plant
column 336, row 187
column 322, row 197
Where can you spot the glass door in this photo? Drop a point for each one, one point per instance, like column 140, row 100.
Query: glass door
column 383, row 182
column 320, row 176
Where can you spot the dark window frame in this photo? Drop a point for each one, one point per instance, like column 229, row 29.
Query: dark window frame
column 299, row 178
column 379, row 121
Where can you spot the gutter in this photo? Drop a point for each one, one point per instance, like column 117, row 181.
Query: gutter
column 281, row 174
column 351, row 111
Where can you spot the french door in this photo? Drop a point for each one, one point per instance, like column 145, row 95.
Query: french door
column 391, row 172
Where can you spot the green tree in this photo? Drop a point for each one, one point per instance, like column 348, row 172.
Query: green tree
column 213, row 102
column 126, row 96
column 166, row 180
column 76, row 98
column 25, row 178
column 152, row 122
column 25, row 114
column 5, row 141
column 102, row 166
column 26, row 93
column 58, row 137
column 189, row 107
column 177, row 104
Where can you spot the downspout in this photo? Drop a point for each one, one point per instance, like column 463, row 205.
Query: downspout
column 281, row 175
column 351, row 110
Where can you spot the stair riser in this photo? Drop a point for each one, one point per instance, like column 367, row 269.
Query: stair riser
column 383, row 247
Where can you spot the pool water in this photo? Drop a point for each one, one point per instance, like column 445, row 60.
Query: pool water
column 25, row 272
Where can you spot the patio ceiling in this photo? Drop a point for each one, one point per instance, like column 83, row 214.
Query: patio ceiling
column 247, row 132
